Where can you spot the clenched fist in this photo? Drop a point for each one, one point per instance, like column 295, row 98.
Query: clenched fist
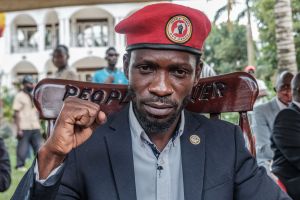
column 74, row 125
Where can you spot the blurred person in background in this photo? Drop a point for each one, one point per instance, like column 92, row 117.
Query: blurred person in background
column 60, row 59
column 110, row 74
column 5, row 170
column 263, row 90
column 263, row 117
column 27, row 122
column 286, row 143
column 207, row 71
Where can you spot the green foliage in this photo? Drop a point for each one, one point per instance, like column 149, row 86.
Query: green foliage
column 226, row 50
column 7, row 104
column 16, row 175
column 264, row 12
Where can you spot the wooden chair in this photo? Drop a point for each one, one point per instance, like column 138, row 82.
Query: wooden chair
column 235, row 92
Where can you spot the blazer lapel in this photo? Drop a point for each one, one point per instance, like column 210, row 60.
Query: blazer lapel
column 295, row 107
column 120, row 152
column 193, row 158
column 274, row 106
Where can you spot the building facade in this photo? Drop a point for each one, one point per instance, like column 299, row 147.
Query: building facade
column 30, row 36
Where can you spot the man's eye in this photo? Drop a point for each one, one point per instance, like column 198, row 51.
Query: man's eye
column 146, row 69
column 179, row 73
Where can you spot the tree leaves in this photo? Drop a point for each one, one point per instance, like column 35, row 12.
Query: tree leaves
column 226, row 50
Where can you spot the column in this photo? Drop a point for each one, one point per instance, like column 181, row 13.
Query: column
column 41, row 32
column 119, row 38
column 8, row 39
column 73, row 33
column 67, row 32
column 61, row 31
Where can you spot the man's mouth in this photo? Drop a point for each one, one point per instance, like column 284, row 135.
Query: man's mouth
column 158, row 109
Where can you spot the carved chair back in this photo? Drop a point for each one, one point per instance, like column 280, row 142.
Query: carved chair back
column 235, row 92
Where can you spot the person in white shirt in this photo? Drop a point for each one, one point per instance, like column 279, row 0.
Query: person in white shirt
column 262, row 88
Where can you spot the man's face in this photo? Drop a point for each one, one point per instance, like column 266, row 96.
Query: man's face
column 28, row 87
column 161, row 82
column 283, row 89
column 60, row 58
column 112, row 57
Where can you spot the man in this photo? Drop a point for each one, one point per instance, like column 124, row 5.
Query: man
column 263, row 117
column 60, row 59
column 207, row 71
column 110, row 74
column 286, row 143
column 27, row 122
column 263, row 90
column 153, row 149
column 5, row 170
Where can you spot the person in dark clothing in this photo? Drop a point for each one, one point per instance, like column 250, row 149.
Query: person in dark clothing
column 286, row 143
column 5, row 169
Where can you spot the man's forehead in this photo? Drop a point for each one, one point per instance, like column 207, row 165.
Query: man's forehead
column 161, row 54
column 111, row 51
column 59, row 51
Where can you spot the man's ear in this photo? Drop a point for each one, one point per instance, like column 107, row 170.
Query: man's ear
column 126, row 65
column 198, row 72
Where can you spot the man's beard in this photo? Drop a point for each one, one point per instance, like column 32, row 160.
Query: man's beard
column 154, row 125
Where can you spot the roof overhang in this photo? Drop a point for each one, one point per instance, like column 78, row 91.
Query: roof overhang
column 16, row 5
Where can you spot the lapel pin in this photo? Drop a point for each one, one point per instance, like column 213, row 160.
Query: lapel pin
column 195, row 139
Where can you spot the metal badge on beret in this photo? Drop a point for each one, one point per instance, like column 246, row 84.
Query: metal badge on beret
column 179, row 29
column 195, row 139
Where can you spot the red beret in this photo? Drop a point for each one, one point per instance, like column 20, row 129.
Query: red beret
column 248, row 68
column 166, row 26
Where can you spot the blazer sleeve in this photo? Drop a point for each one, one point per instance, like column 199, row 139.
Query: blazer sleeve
column 5, row 170
column 286, row 135
column 251, row 181
column 262, row 133
column 30, row 189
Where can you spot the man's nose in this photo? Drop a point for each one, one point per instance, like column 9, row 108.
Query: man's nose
column 161, row 85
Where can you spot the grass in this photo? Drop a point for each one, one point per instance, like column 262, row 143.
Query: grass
column 16, row 176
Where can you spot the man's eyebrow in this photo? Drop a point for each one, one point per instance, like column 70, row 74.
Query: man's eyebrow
column 180, row 65
column 146, row 61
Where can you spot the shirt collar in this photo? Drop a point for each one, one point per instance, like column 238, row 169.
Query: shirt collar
column 280, row 104
column 138, row 132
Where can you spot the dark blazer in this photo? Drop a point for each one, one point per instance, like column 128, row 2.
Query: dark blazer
column 4, row 168
column 286, row 146
column 219, row 168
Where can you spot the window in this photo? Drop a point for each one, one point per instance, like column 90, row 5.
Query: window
column 26, row 39
column 91, row 32
column 51, row 36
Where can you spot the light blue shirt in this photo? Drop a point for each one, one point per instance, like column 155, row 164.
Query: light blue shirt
column 151, row 183
column 101, row 76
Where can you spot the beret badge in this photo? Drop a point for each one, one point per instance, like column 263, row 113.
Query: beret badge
column 179, row 29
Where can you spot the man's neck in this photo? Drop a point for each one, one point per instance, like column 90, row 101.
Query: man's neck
column 62, row 68
column 111, row 68
column 162, row 139
column 280, row 104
